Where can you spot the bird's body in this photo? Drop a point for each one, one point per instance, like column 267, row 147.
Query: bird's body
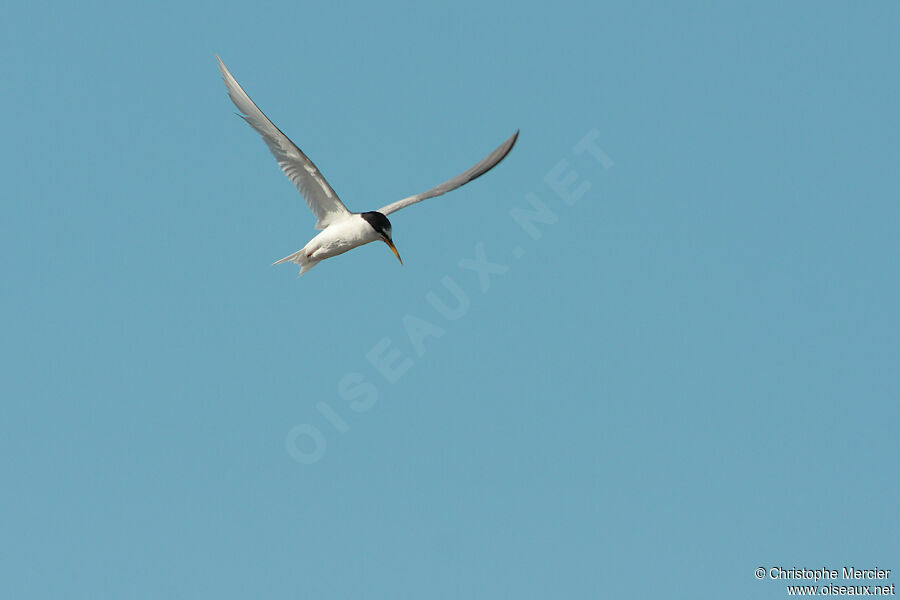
column 342, row 230
column 339, row 237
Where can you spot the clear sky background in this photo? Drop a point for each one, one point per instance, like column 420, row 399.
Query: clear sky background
column 690, row 373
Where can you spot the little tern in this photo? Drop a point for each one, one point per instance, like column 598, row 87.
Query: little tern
column 342, row 230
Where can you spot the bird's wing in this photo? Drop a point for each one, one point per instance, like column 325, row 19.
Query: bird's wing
column 322, row 200
column 487, row 163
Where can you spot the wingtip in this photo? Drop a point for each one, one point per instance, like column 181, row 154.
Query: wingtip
column 222, row 68
column 510, row 143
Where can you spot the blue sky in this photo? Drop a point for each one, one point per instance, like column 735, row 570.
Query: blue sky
column 687, row 372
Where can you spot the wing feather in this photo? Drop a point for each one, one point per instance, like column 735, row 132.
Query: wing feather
column 486, row 164
column 319, row 195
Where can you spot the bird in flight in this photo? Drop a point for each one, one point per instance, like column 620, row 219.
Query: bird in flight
column 342, row 230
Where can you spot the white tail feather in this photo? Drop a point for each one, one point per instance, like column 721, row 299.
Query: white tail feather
column 294, row 258
column 299, row 258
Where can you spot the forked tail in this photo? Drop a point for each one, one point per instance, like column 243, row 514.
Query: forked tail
column 299, row 258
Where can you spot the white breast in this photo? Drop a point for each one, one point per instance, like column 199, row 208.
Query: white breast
column 340, row 237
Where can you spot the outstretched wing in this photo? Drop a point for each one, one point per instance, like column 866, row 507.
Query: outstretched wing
column 487, row 163
column 322, row 200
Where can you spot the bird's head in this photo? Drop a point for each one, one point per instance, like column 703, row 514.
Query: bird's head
column 382, row 227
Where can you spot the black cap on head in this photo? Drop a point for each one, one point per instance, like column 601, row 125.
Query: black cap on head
column 379, row 222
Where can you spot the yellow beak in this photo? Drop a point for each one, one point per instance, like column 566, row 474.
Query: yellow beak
column 394, row 248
